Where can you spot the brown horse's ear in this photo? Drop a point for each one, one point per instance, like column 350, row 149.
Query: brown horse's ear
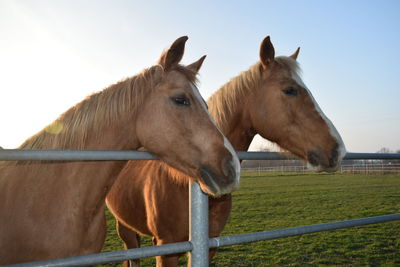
column 267, row 52
column 295, row 54
column 157, row 72
column 174, row 54
column 195, row 66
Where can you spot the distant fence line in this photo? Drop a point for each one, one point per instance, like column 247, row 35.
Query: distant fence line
column 371, row 168
column 367, row 168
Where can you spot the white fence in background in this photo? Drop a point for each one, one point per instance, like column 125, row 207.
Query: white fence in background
column 199, row 243
column 365, row 168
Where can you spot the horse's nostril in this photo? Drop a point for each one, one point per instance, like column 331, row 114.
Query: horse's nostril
column 227, row 166
column 208, row 178
column 228, row 169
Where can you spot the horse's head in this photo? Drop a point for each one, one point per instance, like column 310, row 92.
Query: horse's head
column 174, row 124
column 291, row 117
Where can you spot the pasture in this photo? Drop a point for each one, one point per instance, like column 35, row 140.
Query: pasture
column 272, row 201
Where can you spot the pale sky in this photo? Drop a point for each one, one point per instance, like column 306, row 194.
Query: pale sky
column 54, row 53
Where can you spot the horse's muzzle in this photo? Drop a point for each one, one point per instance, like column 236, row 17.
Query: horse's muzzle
column 323, row 161
column 221, row 184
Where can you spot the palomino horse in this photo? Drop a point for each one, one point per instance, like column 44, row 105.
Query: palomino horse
column 269, row 99
column 56, row 209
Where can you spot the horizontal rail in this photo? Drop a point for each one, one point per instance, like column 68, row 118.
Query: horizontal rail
column 104, row 155
column 78, row 155
column 278, row 156
column 110, row 257
column 372, row 156
column 118, row 256
column 295, row 231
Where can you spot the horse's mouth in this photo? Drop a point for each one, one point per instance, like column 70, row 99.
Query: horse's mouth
column 322, row 162
column 216, row 185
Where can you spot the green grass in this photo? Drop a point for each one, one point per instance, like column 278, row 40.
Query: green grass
column 274, row 201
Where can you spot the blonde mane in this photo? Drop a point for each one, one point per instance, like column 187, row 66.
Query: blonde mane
column 223, row 102
column 101, row 109
column 292, row 65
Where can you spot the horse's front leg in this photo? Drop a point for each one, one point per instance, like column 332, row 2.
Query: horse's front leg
column 131, row 240
column 167, row 260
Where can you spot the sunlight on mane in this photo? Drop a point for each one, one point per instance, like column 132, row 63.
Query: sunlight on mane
column 223, row 102
column 98, row 112
column 90, row 116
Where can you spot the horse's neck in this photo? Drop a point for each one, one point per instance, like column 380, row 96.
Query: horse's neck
column 118, row 137
column 238, row 129
column 236, row 125
column 241, row 137
column 85, row 182
column 116, row 133
column 105, row 120
column 97, row 178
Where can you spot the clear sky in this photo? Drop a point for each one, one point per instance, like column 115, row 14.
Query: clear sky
column 54, row 53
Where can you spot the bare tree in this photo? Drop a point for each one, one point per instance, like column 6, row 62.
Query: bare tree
column 384, row 150
column 263, row 148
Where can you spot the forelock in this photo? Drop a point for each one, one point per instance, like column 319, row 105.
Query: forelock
column 189, row 74
column 290, row 63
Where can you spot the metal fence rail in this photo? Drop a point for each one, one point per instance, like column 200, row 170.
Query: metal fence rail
column 117, row 256
column 199, row 243
column 301, row 230
column 102, row 155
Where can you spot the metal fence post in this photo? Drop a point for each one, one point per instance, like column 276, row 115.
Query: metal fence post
column 198, row 232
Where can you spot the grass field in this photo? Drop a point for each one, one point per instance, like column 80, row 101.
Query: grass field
column 274, row 201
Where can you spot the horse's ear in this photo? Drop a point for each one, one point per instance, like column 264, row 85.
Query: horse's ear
column 174, row 54
column 267, row 52
column 295, row 54
column 195, row 66
column 157, row 72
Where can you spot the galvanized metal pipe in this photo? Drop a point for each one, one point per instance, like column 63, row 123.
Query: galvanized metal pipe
column 102, row 155
column 110, row 257
column 277, row 156
column 198, row 229
column 372, row 156
column 294, row 231
column 117, row 256
column 74, row 155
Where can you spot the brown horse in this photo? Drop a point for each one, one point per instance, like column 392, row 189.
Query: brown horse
column 269, row 99
column 56, row 209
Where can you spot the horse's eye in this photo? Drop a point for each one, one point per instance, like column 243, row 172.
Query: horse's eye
column 181, row 101
column 290, row 91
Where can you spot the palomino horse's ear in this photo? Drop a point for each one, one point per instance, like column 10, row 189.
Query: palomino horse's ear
column 195, row 66
column 174, row 54
column 267, row 52
column 295, row 54
column 157, row 72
